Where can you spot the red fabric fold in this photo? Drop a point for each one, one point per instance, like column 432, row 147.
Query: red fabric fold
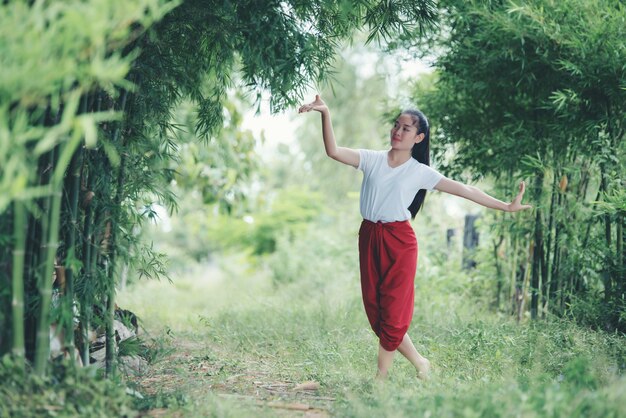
column 388, row 260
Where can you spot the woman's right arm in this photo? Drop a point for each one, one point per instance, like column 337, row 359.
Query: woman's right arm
column 344, row 155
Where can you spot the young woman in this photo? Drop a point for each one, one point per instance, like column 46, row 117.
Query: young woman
column 393, row 189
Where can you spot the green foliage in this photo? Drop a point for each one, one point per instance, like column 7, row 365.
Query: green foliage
column 220, row 168
column 535, row 91
column 322, row 256
column 69, row 393
column 48, row 59
column 289, row 214
column 279, row 47
column 199, row 234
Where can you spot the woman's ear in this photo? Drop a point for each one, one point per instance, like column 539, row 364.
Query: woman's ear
column 419, row 138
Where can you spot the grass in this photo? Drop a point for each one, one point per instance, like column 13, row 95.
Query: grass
column 242, row 342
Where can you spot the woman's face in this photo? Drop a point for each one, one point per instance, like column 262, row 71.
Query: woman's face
column 404, row 133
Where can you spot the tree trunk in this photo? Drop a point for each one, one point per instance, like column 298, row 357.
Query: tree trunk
column 470, row 242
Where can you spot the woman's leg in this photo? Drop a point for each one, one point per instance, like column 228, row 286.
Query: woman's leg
column 421, row 363
column 385, row 358
column 408, row 350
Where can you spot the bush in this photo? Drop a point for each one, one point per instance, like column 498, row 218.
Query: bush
column 68, row 392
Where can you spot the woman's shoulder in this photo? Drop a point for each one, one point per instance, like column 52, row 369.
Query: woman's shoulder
column 421, row 166
column 374, row 154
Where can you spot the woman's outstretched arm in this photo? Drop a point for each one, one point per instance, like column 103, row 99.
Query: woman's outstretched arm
column 344, row 155
column 476, row 195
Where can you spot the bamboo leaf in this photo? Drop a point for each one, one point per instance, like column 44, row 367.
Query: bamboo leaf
column 90, row 130
column 111, row 153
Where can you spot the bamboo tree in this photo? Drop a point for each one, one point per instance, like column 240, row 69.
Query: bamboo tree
column 538, row 254
column 51, row 230
column 73, row 196
column 19, row 234
column 110, row 363
column 547, row 280
column 44, row 269
column 115, row 228
column 56, row 185
column 89, row 247
column 555, row 69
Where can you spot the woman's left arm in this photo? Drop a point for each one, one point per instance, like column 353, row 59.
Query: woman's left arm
column 476, row 195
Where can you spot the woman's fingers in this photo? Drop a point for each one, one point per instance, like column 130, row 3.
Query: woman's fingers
column 517, row 202
column 312, row 106
column 520, row 194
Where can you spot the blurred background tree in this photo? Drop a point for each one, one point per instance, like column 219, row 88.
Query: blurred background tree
column 536, row 91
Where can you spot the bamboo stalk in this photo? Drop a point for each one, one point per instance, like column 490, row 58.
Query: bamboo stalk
column 500, row 279
column 88, row 268
column 608, row 282
column 44, row 279
column 30, row 278
column 547, row 280
column 73, row 189
column 42, row 346
column 70, row 251
column 538, row 255
column 619, row 243
column 110, row 330
column 526, row 282
column 90, row 250
column 513, row 270
column 556, row 287
column 86, row 302
column 121, row 177
column 17, row 303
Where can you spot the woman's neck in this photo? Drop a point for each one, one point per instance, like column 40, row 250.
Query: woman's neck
column 398, row 156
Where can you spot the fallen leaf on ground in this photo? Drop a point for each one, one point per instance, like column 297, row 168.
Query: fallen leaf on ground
column 307, row 386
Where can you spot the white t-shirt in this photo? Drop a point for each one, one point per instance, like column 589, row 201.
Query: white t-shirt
column 387, row 192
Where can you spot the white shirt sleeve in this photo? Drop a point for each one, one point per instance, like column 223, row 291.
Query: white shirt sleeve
column 429, row 177
column 365, row 159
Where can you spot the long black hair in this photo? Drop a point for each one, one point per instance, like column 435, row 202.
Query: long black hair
column 421, row 152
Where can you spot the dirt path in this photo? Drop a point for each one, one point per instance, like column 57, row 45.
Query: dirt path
column 187, row 375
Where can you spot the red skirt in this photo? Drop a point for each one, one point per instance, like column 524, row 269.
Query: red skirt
column 388, row 260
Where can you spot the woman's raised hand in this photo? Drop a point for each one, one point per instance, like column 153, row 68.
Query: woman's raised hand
column 516, row 204
column 317, row 105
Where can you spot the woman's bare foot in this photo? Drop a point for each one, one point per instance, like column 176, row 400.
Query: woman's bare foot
column 423, row 369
